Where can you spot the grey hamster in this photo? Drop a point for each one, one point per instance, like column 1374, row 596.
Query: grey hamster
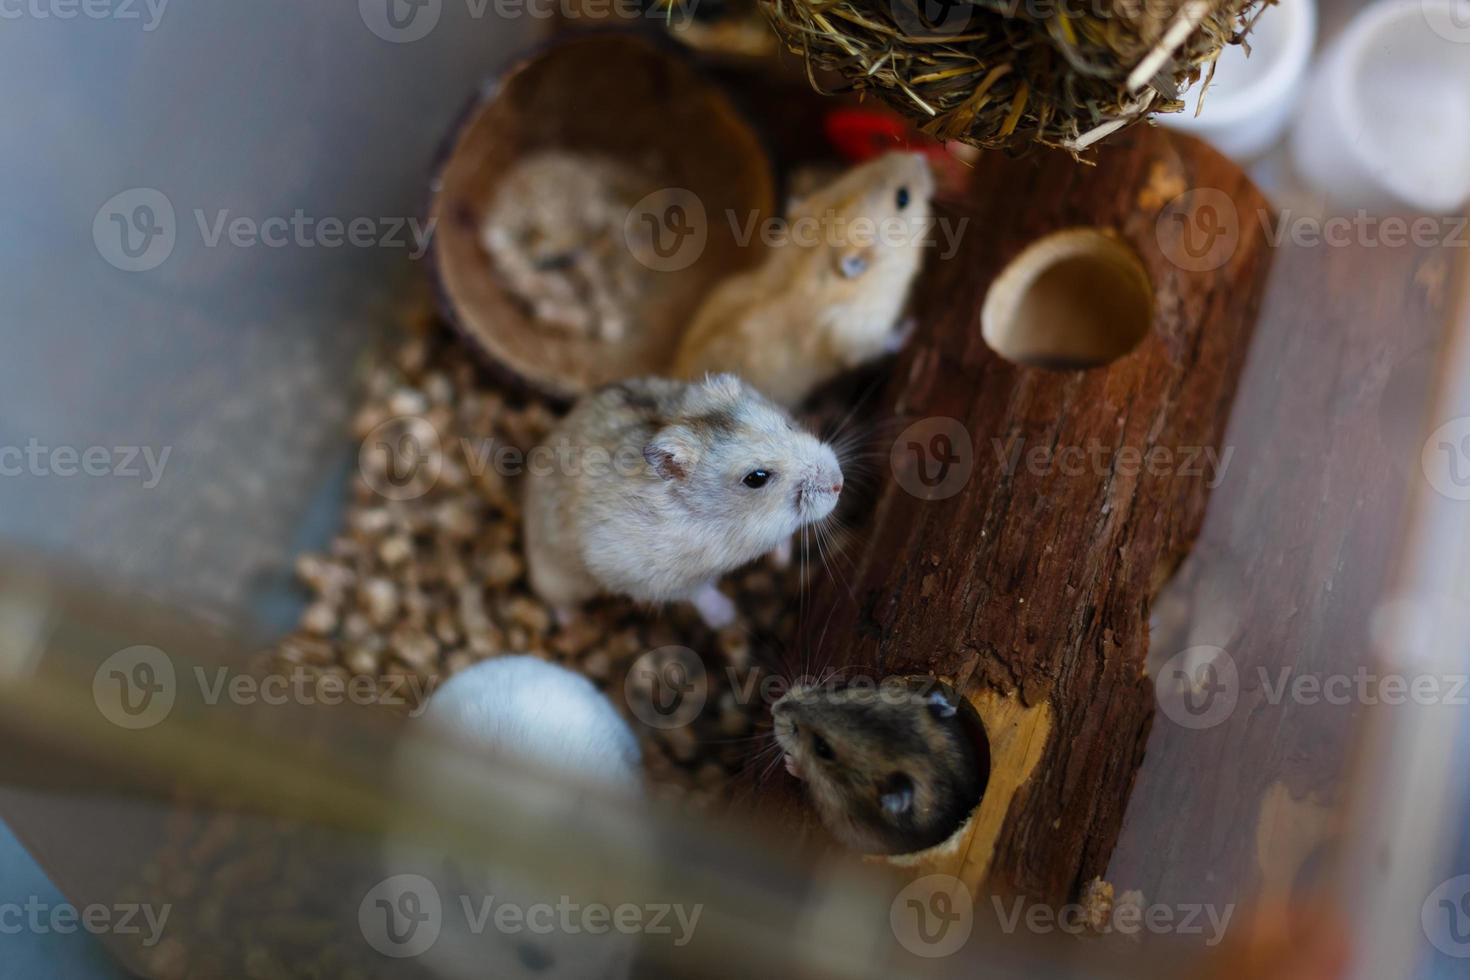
column 655, row 488
column 891, row 768
column 831, row 296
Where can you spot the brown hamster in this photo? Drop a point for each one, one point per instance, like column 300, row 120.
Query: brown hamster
column 659, row 487
column 890, row 767
column 828, row 297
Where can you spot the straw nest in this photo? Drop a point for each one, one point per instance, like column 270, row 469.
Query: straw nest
column 1009, row 73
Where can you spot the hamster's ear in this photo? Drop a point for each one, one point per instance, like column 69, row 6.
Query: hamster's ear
column 725, row 386
column 940, row 705
column 853, row 261
column 897, row 794
column 671, row 452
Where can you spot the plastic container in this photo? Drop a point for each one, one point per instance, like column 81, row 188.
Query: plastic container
column 1250, row 100
column 1385, row 124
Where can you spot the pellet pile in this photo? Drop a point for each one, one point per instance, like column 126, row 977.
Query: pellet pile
column 425, row 578
column 428, row 575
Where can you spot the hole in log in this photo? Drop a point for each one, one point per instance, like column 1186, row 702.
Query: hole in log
column 1078, row 298
column 977, row 742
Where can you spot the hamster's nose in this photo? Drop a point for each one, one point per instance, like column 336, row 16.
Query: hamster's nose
column 837, row 486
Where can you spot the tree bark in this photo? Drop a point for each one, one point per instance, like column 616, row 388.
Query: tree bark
column 1029, row 587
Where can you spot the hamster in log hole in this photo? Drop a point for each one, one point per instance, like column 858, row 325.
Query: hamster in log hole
column 891, row 768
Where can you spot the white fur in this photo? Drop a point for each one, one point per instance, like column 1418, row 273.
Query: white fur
column 558, row 722
column 543, row 714
column 665, row 535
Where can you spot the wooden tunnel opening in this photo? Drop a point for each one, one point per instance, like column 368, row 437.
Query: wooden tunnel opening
column 1077, row 298
column 974, row 727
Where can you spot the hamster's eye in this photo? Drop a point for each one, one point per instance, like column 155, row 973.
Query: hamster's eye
column 821, row 748
column 756, row 479
column 903, row 198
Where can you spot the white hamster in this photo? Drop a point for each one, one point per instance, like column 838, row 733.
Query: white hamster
column 830, row 297
column 549, row 716
column 659, row 487
column 558, row 722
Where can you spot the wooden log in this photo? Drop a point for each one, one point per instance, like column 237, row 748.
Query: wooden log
column 1023, row 573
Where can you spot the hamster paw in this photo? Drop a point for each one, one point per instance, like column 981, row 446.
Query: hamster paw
column 780, row 555
column 715, row 608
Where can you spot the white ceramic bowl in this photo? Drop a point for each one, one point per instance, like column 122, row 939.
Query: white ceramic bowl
column 1386, row 121
column 1250, row 100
